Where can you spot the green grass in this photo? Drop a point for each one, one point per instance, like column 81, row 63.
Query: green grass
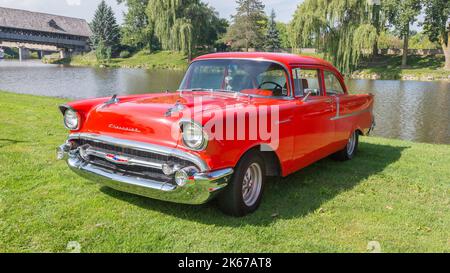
column 394, row 192
column 142, row 59
column 419, row 68
column 161, row 59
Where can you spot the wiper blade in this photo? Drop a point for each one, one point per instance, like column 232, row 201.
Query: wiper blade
column 208, row 90
column 225, row 90
column 197, row 89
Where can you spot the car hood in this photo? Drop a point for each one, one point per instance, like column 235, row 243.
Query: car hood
column 149, row 118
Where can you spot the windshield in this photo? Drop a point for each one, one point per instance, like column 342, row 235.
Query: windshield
column 244, row 76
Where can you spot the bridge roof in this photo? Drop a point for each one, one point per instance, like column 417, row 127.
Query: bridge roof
column 22, row 19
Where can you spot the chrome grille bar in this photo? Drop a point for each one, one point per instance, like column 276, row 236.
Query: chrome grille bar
column 145, row 147
column 128, row 161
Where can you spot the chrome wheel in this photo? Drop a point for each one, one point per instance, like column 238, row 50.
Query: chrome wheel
column 351, row 144
column 252, row 184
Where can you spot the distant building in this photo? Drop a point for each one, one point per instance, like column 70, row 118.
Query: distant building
column 43, row 32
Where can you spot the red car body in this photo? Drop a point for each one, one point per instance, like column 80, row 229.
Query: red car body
column 310, row 128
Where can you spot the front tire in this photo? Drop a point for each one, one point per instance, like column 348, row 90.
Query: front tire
column 349, row 152
column 244, row 193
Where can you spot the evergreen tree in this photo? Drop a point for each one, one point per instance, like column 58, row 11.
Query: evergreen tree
column 248, row 25
column 105, row 30
column 273, row 36
column 437, row 15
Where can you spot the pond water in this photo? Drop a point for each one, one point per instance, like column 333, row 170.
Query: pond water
column 409, row 110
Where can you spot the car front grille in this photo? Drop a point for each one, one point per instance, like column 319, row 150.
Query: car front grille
column 158, row 158
column 154, row 173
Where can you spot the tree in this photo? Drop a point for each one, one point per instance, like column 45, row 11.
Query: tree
column 377, row 22
column 208, row 26
column 285, row 40
column 103, row 53
column 136, row 31
column 420, row 40
column 343, row 30
column 272, row 42
column 437, row 14
column 402, row 14
column 248, row 25
column 105, row 30
column 182, row 25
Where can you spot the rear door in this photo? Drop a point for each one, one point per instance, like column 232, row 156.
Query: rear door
column 349, row 107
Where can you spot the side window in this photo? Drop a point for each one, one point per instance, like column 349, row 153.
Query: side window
column 307, row 80
column 332, row 84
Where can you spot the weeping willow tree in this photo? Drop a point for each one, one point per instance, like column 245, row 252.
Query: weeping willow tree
column 173, row 31
column 345, row 30
column 181, row 25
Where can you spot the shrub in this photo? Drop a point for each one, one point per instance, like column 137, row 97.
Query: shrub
column 125, row 54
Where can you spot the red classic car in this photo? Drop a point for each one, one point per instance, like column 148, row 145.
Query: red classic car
column 236, row 119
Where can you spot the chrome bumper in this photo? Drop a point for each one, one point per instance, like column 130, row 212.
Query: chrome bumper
column 200, row 189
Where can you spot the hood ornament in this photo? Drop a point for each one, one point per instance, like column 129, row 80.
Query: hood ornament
column 113, row 100
column 178, row 107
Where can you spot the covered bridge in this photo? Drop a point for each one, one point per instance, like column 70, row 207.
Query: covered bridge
column 42, row 32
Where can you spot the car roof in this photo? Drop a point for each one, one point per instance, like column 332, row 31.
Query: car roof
column 284, row 58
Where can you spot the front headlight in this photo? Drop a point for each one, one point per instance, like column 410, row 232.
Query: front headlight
column 71, row 119
column 194, row 136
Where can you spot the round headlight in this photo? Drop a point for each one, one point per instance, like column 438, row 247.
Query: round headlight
column 193, row 136
column 71, row 119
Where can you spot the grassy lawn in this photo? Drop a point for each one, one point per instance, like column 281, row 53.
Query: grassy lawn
column 396, row 193
column 142, row 59
column 419, row 68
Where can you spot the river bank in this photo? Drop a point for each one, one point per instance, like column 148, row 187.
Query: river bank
column 140, row 60
column 420, row 68
column 394, row 192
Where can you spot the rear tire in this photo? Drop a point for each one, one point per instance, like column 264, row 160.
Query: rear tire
column 244, row 193
column 349, row 152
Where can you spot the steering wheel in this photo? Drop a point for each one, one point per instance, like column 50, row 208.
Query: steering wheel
column 278, row 88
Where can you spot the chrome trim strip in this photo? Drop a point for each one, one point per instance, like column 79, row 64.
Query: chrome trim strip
column 145, row 147
column 372, row 127
column 221, row 174
column 338, row 106
column 284, row 121
column 351, row 114
column 130, row 162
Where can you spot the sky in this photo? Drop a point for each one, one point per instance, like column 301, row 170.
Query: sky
column 85, row 8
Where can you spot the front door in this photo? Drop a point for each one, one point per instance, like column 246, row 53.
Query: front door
column 314, row 125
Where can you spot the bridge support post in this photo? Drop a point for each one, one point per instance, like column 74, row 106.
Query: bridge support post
column 63, row 53
column 24, row 53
